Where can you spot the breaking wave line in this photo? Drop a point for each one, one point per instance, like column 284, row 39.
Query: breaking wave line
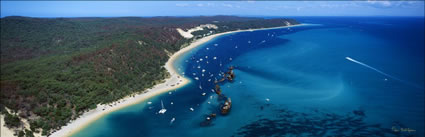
column 383, row 73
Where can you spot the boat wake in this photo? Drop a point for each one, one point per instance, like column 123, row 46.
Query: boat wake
column 385, row 74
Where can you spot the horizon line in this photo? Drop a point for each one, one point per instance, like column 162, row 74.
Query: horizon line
column 153, row 16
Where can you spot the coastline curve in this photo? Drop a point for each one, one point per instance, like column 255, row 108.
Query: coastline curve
column 102, row 110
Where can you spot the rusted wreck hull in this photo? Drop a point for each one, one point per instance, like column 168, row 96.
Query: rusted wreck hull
column 225, row 109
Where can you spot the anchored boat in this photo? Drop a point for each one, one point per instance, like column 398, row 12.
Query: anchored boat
column 163, row 110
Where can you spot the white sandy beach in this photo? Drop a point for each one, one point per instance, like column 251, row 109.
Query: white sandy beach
column 5, row 132
column 101, row 110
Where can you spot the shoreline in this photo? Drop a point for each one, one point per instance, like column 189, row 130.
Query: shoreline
column 101, row 110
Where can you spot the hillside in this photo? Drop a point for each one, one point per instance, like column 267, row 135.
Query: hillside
column 55, row 69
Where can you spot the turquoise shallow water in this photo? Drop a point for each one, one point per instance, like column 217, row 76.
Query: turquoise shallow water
column 294, row 82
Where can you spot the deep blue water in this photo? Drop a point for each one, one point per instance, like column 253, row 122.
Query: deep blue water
column 313, row 90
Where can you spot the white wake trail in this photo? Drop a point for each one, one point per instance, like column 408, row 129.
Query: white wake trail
column 383, row 73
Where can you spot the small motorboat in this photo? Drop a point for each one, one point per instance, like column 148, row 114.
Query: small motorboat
column 172, row 121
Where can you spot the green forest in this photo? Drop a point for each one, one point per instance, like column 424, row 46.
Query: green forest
column 55, row 69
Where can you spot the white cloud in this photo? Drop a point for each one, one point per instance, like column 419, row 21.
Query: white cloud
column 329, row 5
column 298, row 8
column 210, row 4
column 228, row 5
column 250, row 1
column 182, row 5
column 411, row 2
column 200, row 5
column 386, row 3
column 381, row 3
column 284, row 7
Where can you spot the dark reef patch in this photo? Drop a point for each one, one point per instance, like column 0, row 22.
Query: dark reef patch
column 319, row 123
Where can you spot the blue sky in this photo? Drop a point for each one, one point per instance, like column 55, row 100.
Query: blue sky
column 194, row 8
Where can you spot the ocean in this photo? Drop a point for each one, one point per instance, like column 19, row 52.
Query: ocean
column 335, row 76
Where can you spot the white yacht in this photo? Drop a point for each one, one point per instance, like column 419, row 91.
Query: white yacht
column 163, row 110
